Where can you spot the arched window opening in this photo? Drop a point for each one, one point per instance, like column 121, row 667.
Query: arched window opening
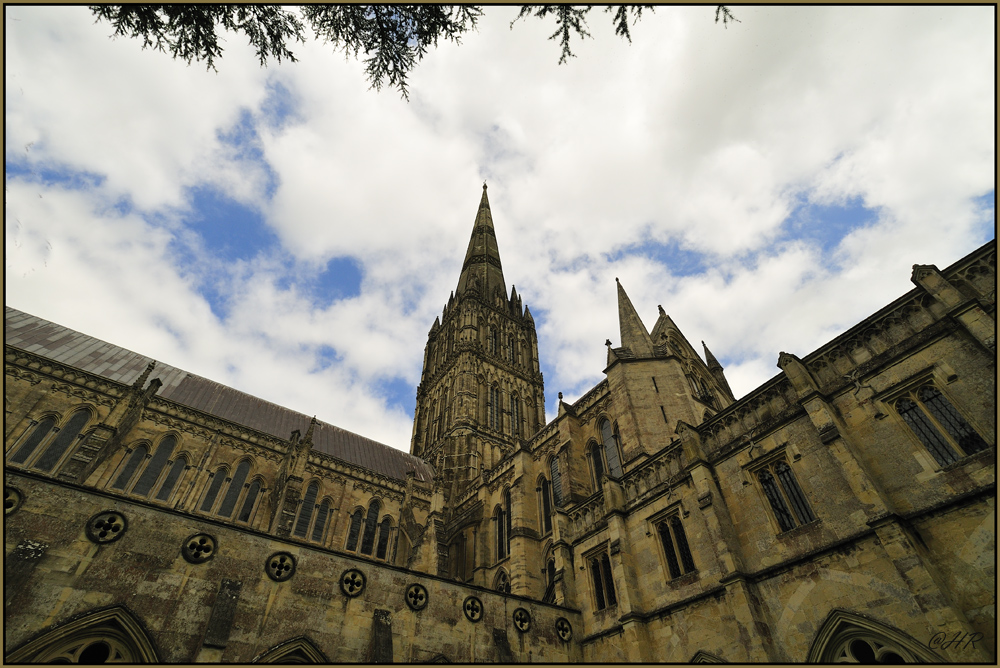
column 37, row 436
column 596, row 463
column 218, row 478
column 355, row 530
column 849, row 638
column 557, row 494
column 546, row 494
column 321, row 514
column 501, row 526
column 512, row 350
column 502, row 582
column 371, row 522
column 784, row 495
column 603, row 581
column 249, row 502
column 611, row 450
column 155, row 467
column 111, row 635
column 173, row 475
column 508, row 516
column 306, row 511
column 495, row 408
column 381, row 549
column 675, row 547
column 235, row 489
column 515, row 415
column 939, row 426
column 60, row 444
column 123, row 479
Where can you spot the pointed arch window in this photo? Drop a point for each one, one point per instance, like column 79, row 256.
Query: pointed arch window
column 248, row 503
column 596, row 463
column 675, row 546
column 545, row 492
column 512, row 350
column 42, row 429
column 784, row 495
column 508, row 516
column 382, row 547
column 64, row 438
column 602, row 581
column 306, row 511
column 157, row 463
column 610, row 439
column 173, row 475
column 557, row 492
column 353, row 533
column 502, row 582
column 495, row 408
column 939, row 426
column 501, row 525
column 320, row 526
column 131, row 466
column 235, row 489
column 515, row 415
column 371, row 522
column 111, row 635
column 218, row 478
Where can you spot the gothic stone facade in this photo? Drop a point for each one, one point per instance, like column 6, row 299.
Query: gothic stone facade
column 844, row 510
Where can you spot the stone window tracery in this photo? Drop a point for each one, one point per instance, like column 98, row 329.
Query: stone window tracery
column 249, row 501
column 783, row 494
column 62, row 441
column 609, row 437
column 557, row 493
column 938, row 425
column 371, row 522
column 596, row 463
column 235, row 489
column 603, row 581
column 131, row 466
column 319, row 527
column 354, row 531
column 306, row 510
column 675, row 546
column 173, row 475
column 24, row 452
column 502, row 582
column 218, row 478
column 545, row 494
column 154, row 468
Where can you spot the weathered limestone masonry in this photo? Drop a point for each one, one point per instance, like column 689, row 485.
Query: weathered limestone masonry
column 843, row 511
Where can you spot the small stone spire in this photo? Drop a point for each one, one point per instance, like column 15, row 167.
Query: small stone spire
column 141, row 380
column 710, row 358
column 634, row 334
column 482, row 259
column 308, row 438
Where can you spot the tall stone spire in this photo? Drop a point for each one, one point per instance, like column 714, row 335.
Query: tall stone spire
column 634, row 335
column 481, row 268
column 716, row 370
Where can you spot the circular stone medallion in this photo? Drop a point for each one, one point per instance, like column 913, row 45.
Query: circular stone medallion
column 106, row 527
column 12, row 499
column 352, row 582
column 563, row 629
column 473, row 609
column 522, row 620
column 280, row 566
column 416, row 596
column 199, row 548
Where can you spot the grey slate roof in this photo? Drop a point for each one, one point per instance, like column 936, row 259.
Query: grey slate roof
column 69, row 347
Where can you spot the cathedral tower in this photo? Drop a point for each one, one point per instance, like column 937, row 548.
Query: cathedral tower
column 481, row 391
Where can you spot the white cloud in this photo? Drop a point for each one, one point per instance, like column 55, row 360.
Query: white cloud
column 694, row 136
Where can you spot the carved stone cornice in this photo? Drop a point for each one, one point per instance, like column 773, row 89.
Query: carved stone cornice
column 81, row 393
column 30, row 362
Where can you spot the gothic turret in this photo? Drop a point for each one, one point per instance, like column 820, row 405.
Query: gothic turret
column 716, row 370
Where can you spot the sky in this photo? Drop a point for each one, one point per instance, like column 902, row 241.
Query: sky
column 292, row 233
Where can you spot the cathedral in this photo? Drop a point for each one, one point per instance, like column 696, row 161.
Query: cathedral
column 843, row 511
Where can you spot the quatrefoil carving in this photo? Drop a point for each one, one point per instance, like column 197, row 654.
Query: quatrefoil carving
column 522, row 620
column 564, row 629
column 280, row 566
column 199, row 548
column 473, row 609
column 352, row 582
column 416, row 596
column 106, row 527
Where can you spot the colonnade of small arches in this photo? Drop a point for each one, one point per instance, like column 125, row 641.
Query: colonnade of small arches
column 160, row 470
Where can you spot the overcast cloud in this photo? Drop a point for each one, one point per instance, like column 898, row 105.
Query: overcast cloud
column 291, row 233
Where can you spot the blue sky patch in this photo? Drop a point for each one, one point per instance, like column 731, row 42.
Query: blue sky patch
column 826, row 225
column 398, row 392
column 279, row 107
column 49, row 175
column 230, row 230
column 987, row 204
column 677, row 260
